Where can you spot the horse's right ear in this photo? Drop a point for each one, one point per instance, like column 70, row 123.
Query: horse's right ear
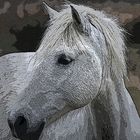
column 76, row 19
column 75, row 15
column 49, row 10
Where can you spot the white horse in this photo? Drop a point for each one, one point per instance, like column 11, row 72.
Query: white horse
column 73, row 87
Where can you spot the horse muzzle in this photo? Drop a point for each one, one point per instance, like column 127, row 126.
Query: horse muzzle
column 20, row 129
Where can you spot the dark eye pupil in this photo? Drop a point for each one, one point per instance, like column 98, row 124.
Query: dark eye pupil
column 64, row 60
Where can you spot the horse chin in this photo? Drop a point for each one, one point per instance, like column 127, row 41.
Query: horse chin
column 33, row 134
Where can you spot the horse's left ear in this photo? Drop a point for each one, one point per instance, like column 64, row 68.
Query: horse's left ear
column 76, row 16
column 50, row 11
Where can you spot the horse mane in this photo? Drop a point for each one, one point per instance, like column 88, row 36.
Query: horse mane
column 61, row 29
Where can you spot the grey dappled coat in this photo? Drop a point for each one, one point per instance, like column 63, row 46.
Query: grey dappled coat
column 73, row 85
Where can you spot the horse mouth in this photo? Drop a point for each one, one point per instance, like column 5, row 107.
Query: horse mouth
column 31, row 135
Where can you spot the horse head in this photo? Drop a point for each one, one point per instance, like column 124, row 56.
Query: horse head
column 67, row 71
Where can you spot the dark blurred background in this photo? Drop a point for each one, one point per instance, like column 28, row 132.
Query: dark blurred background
column 22, row 23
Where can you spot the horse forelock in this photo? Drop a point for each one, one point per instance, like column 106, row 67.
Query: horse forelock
column 62, row 29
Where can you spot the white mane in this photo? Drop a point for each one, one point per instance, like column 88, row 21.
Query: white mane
column 62, row 29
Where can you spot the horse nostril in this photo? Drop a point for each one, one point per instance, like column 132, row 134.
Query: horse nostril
column 19, row 127
column 20, row 121
column 21, row 130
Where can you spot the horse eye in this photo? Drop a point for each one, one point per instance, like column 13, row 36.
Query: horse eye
column 64, row 60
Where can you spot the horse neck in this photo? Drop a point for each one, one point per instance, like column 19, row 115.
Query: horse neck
column 115, row 112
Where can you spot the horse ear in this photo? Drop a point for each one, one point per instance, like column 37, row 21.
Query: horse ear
column 76, row 16
column 50, row 11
